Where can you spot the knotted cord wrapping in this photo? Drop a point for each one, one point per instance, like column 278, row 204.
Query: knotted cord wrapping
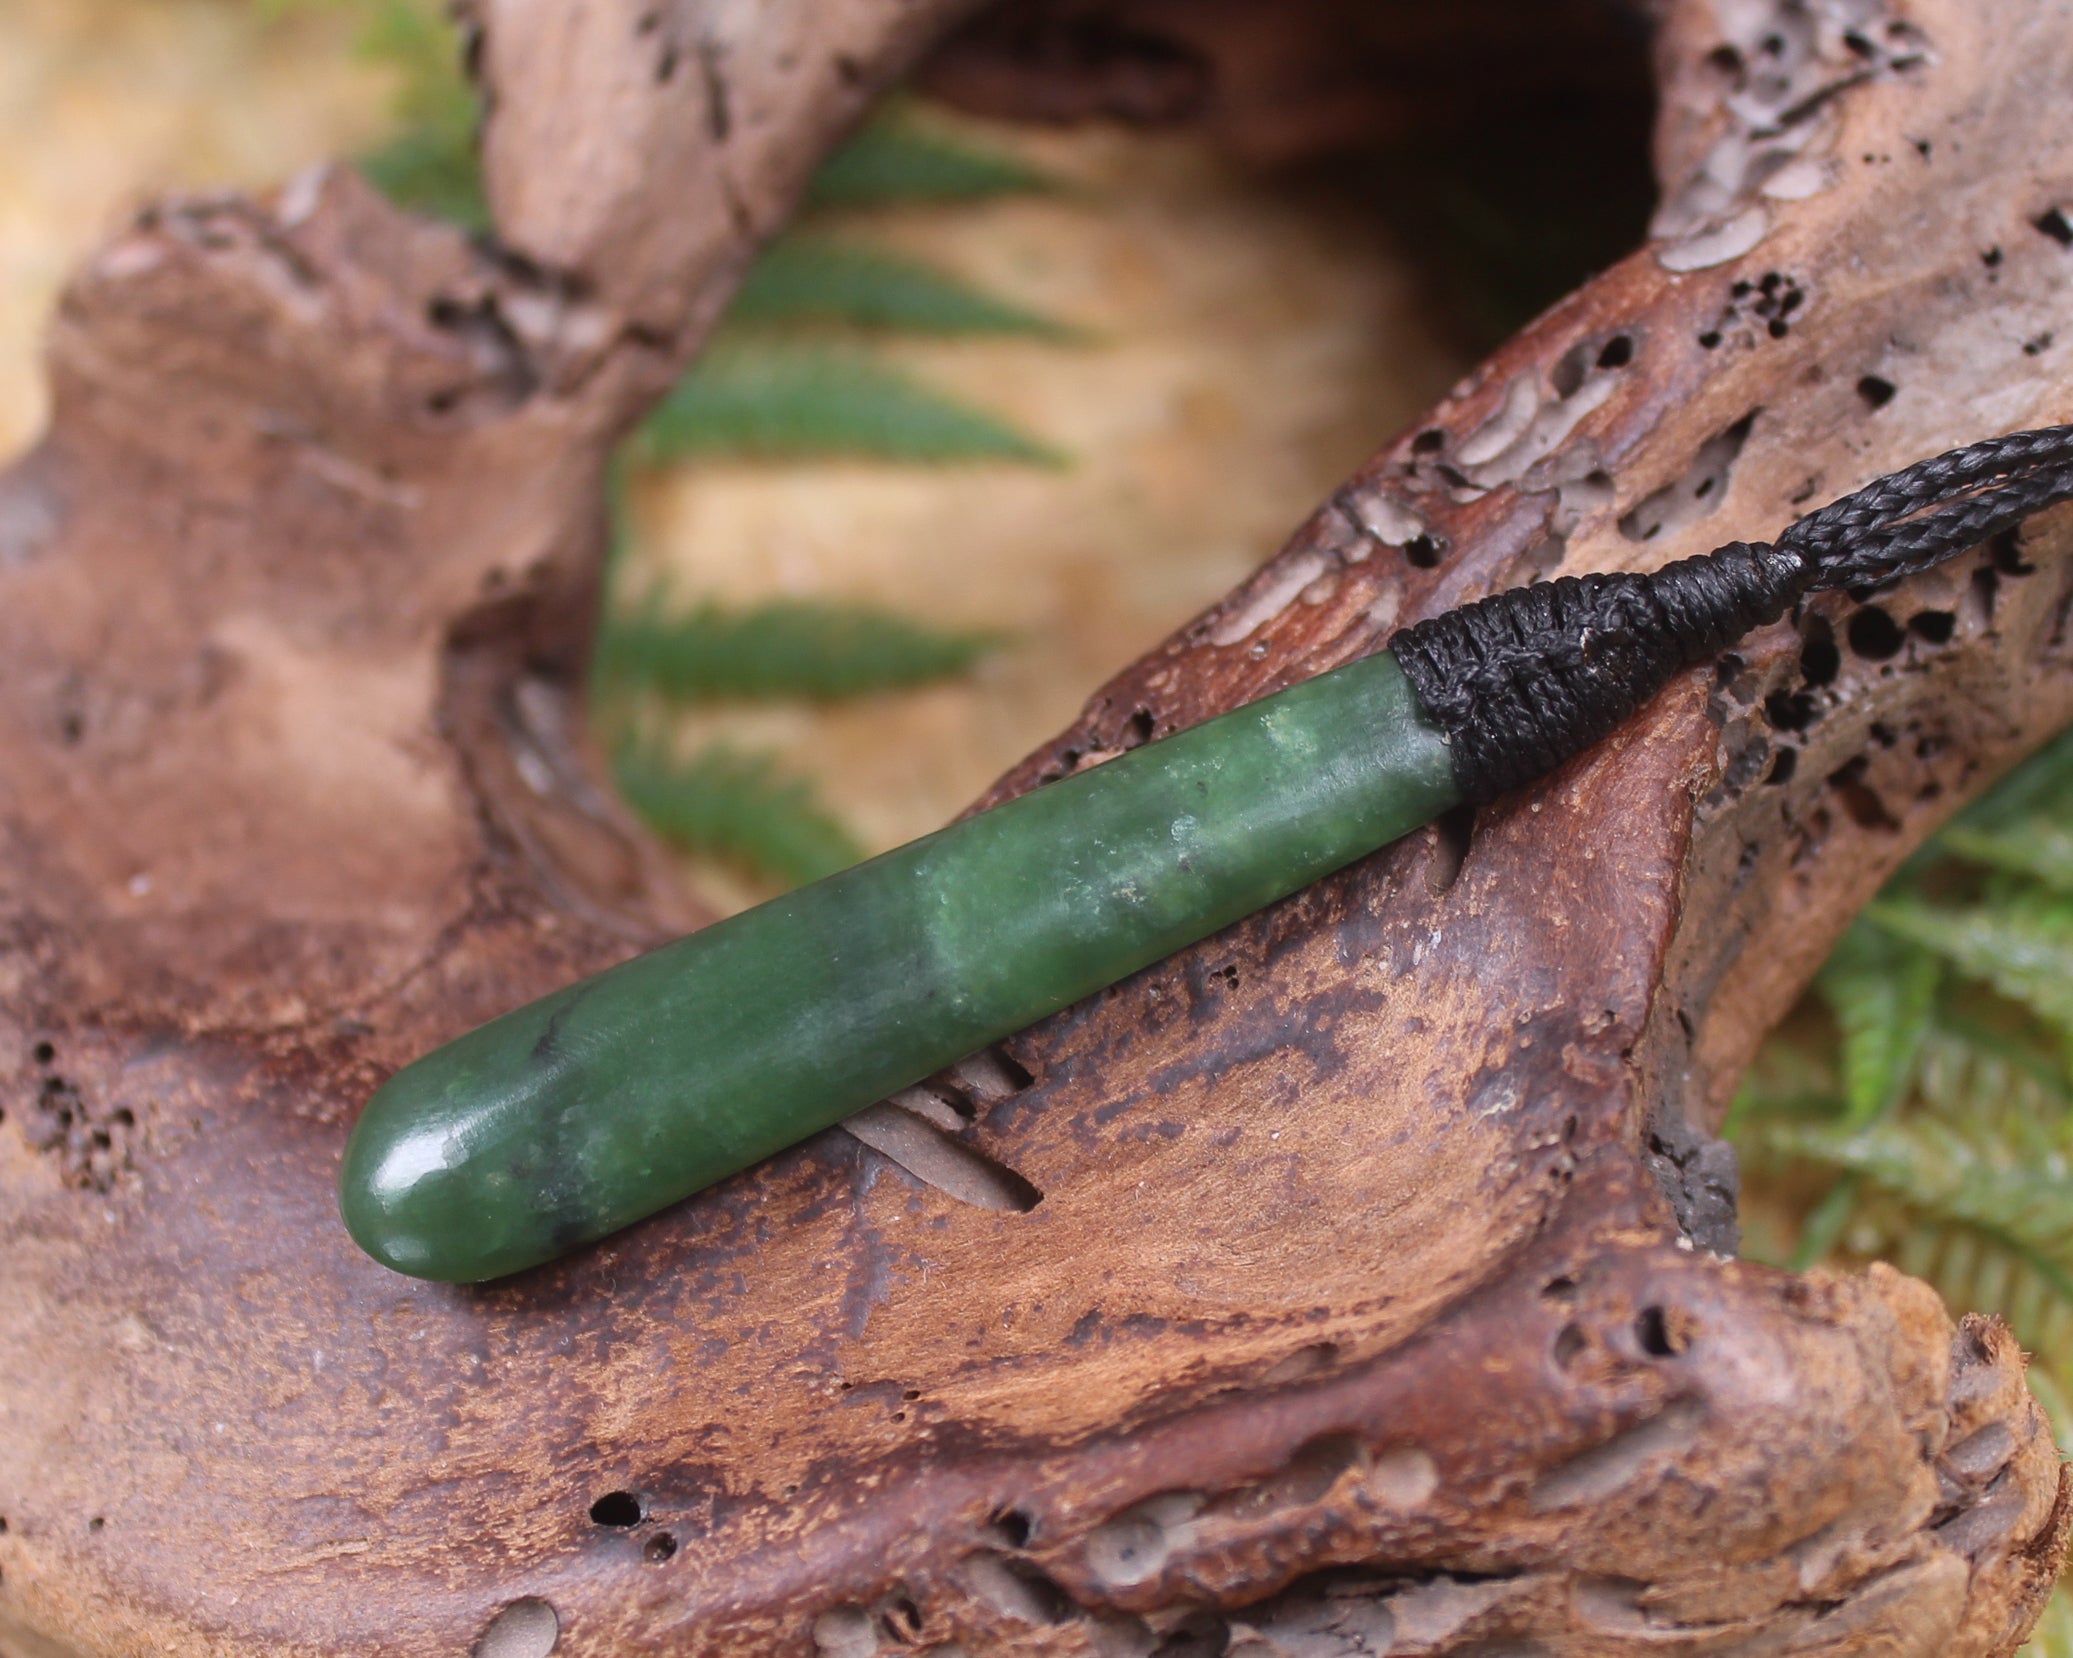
column 1524, row 679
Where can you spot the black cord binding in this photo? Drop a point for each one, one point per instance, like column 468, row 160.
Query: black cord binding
column 1522, row 680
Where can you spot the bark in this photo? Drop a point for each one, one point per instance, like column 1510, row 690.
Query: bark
column 1377, row 1300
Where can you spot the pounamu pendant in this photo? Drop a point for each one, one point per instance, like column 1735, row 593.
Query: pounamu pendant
column 605, row 1101
column 597, row 1105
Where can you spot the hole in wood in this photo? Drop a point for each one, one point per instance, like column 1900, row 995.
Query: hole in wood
column 1403, row 1477
column 1819, row 660
column 1694, row 496
column 2006, row 549
column 1317, row 1465
column 1453, row 832
column 1789, row 710
column 1132, row 1546
column 1304, row 1362
column 1657, row 1335
column 934, row 1158
column 616, row 1508
column 1012, row 1527
column 844, row 1632
column 1874, row 635
column 1014, row 1588
column 1604, row 1469
column 901, row 1618
column 528, row 1628
column 1860, row 800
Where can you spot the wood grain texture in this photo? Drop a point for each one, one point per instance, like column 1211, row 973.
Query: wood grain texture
column 1372, row 1304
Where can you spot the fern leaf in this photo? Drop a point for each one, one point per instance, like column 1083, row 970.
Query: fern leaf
column 814, row 279
column 1882, row 991
column 899, row 159
column 2037, row 847
column 1975, row 1272
column 2027, row 956
column 784, row 403
column 2015, row 1195
column 738, row 807
column 1970, row 1072
column 1788, row 1080
column 786, row 648
column 430, row 172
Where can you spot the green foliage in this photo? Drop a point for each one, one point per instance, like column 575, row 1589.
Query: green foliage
column 789, row 402
column 741, row 808
column 1939, row 1109
column 2023, row 949
column 429, row 172
column 2036, row 848
column 900, row 158
column 796, row 649
column 430, row 163
column 804, row 278
column 1881, row 991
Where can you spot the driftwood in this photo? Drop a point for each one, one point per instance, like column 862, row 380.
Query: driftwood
column 1378, row 1298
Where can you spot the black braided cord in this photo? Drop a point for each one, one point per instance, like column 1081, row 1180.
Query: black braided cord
column 1521, row 681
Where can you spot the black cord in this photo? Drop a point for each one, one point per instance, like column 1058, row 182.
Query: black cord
column 1522, row 680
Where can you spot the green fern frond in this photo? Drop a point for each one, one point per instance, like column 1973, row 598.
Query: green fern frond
column 813, row 279
column 739, row 807
column 431, row 172
column 2025, row 954
column 898, row 158
column 2035, row 847
column 1970, row 1072
column 786, row 648
column 1789, row 1080
column 1882, row 991
column 773, row 402
column 1973, row 1272
column 2010, row 1190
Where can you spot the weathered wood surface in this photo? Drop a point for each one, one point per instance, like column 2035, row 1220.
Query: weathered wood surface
column 1372, row 1304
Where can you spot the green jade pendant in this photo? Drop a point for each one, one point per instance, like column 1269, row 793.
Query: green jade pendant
column 610, row 1099
column 617, row 1096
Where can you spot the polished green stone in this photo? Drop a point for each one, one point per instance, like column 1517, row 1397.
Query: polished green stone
column 607, row 1100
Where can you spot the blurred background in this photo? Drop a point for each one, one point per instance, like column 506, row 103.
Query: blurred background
column 1011, row 402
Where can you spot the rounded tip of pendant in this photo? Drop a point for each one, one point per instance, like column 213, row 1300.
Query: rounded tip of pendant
column 387, row 1201
column 415, row 1197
